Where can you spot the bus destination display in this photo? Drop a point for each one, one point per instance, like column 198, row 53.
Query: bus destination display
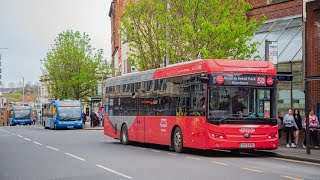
column 240, row 80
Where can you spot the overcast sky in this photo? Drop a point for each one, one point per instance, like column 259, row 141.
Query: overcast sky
column 29, row 27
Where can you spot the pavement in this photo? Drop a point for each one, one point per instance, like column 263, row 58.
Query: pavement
column 299, row 154
column 88, row 127
column 32, row 152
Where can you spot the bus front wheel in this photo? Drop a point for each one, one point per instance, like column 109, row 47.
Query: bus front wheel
column 178, row 140
column 124, row 135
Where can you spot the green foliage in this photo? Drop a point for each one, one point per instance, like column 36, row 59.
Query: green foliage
column 74, row 67
column 197, row 28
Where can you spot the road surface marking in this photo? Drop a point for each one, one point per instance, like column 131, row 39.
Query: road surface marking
column 142, row 148
column 20, row 136
column 113, row 171
column 288, row 177
column 291, row 160
column 172, row 154
column 74, row 156
column 52, row 148
column 252, row 170
column 37, row 143
column 27, row 139
column 220, row 163
column 155, row 150
column 194, row 158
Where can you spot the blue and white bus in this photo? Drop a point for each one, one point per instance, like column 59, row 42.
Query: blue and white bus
column 62, row 114
column 21, row 115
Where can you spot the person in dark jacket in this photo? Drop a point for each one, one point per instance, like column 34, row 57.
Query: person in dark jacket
column 84, row 118
column 280, row 120
column 298, row 119
column 92, row 119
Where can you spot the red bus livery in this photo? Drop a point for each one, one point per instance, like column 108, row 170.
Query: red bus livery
column 201, row 104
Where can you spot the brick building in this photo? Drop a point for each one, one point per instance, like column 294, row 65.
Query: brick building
column 312, row 27
column 284, row 25
column 119, row 48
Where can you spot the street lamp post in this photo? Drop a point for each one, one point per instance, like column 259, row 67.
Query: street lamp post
column 23, row 90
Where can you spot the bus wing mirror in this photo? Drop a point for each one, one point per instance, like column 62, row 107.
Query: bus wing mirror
column 204, row 79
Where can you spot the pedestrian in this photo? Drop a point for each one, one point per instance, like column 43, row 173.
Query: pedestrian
column 84, row 118
column 289, row 123
column 92, row 119
column 298, row 120
column 280, row 119
column 313, row 122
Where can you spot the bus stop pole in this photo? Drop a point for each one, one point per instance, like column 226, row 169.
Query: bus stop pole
column 307, row 117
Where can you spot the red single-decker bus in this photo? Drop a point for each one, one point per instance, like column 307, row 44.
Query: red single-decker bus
column 201, row 104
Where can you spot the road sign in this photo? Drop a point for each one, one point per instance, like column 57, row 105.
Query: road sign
column 272, row 52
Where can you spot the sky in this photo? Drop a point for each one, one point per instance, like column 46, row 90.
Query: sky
column 28, row 29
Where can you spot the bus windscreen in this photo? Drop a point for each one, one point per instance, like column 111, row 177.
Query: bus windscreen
column 69, row 113
column 22, row 114
column 240, row 102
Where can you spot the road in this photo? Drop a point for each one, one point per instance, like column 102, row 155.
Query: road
column 33, row 153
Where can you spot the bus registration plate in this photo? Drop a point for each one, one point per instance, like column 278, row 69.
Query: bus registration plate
column 247, row 145
column 69, row 126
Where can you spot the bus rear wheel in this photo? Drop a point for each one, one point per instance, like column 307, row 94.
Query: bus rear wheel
column 124, row 135
column 178, row 140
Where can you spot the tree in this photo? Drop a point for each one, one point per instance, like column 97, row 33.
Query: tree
column 74, row 67
column 197, row 28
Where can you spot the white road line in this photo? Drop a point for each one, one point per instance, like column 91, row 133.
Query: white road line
column 172, row 154
column 74, row 156
column 113, row 171
column 194, row 158
column 155, row 150
column 220, row 163
column 20, row 136
column 289, row 177
column 142, row 148
column 297, row 161
column 52, row 148
column 37, row 143
column 27, row 139
column 248, row 169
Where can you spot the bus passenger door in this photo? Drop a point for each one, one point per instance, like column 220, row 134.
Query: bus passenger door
column 141, row 128
column 142, row 109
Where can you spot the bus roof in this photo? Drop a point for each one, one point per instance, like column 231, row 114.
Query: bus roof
column 209, row 66
column 21, row 107
column 69, row 103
